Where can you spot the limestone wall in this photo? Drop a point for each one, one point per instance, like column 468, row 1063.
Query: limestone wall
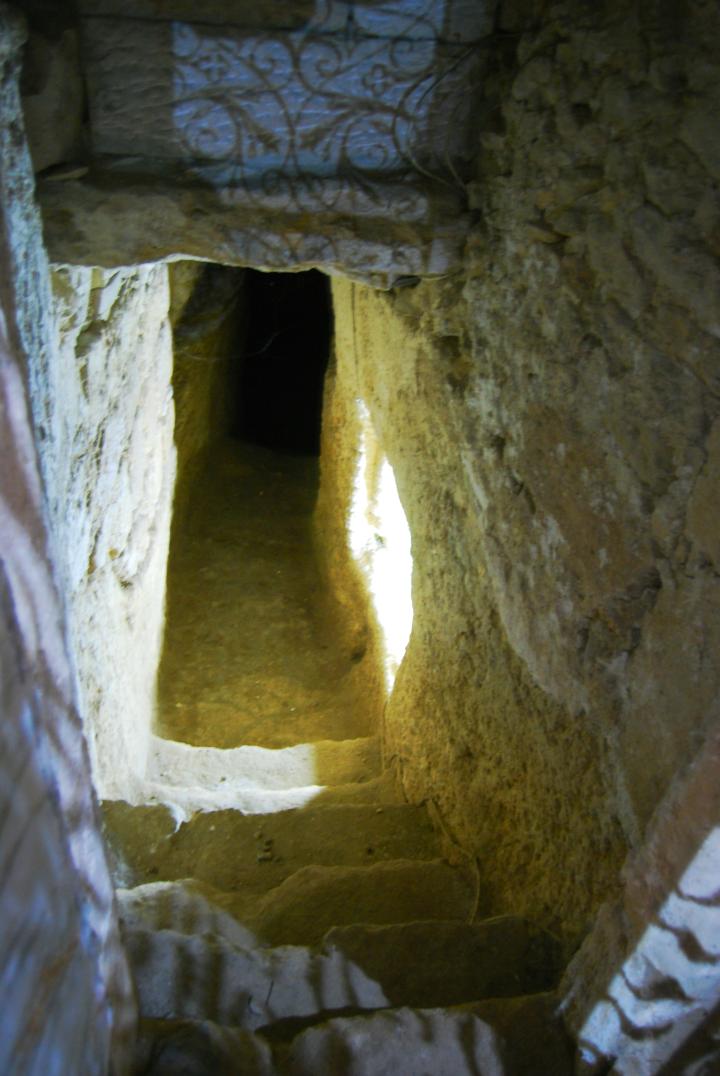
column 208, row 315
column 553, row 426
column 104, row 408
column 596, row 305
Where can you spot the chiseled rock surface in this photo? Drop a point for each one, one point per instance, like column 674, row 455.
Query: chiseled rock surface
column 251, row 853
column 431, row 963
column 401, row 1041
column 553, row 421
column 199, row 1047
column 207, row 311
column 192, row 960
column 500, row 1037
column 104, row 411
column 314, row 899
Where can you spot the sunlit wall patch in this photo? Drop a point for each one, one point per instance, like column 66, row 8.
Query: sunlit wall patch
column 380, row 544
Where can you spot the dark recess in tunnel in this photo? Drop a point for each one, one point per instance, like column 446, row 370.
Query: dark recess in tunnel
column 285, row 357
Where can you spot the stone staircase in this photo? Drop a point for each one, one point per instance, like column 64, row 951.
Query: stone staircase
column 316, row 929
column 285, row 911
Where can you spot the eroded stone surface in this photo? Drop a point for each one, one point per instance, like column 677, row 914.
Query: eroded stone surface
column 252, row 854
column 552, row 422
column 512, row 1037
column 129, row 210
column 184, row 976
column 53, row 99
column 104, row 411
column 60, row 934
column 434, row 963
column 304, row 907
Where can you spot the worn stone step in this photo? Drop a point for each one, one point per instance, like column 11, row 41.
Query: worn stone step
column 427, row 964
column 422, row 964
column 186, row 907
column 190, row 960
column 210, row 778
column 311, row 902
column 315, row 899
column 504, row 1037
column 204, row 977
column 232, row 851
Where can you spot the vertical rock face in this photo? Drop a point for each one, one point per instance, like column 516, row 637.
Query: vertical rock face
column 208, row 313
column 518, row 778
column 594, row 381
column 104, row 410
column 553, row 427
column 65, row 986
column 330, row 136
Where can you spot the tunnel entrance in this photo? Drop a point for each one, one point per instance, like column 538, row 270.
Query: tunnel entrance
column 284, row 359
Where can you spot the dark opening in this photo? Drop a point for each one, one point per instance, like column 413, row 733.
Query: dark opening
column 286, row 355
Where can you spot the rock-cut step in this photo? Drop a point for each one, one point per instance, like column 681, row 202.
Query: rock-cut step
column 222, row 974
column 500, row 1037
column 260, row 780
column 314, row 899
column 253, row 854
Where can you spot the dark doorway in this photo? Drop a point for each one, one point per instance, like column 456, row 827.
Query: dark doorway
column 286, row 355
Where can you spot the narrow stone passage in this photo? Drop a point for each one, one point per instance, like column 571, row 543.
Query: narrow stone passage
column 248, row 656
column 302, row 919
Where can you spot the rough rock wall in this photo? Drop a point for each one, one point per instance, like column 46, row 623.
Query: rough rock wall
column 596, row 323
column 208, row 316
column 348, row 604
column 518, row 780
column 104, row 409
column 553, row 428
column 67, row 1005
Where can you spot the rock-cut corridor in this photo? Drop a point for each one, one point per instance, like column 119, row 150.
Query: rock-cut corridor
column 317, row 927
column 247, row 656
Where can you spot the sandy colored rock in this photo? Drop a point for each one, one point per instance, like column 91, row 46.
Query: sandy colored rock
column 248, row 987
column 196, row 1048
column 550, row 422
column 208, row 314
column 248, row 657
column 433, row 963
column 315, row 899
column 253, row 853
